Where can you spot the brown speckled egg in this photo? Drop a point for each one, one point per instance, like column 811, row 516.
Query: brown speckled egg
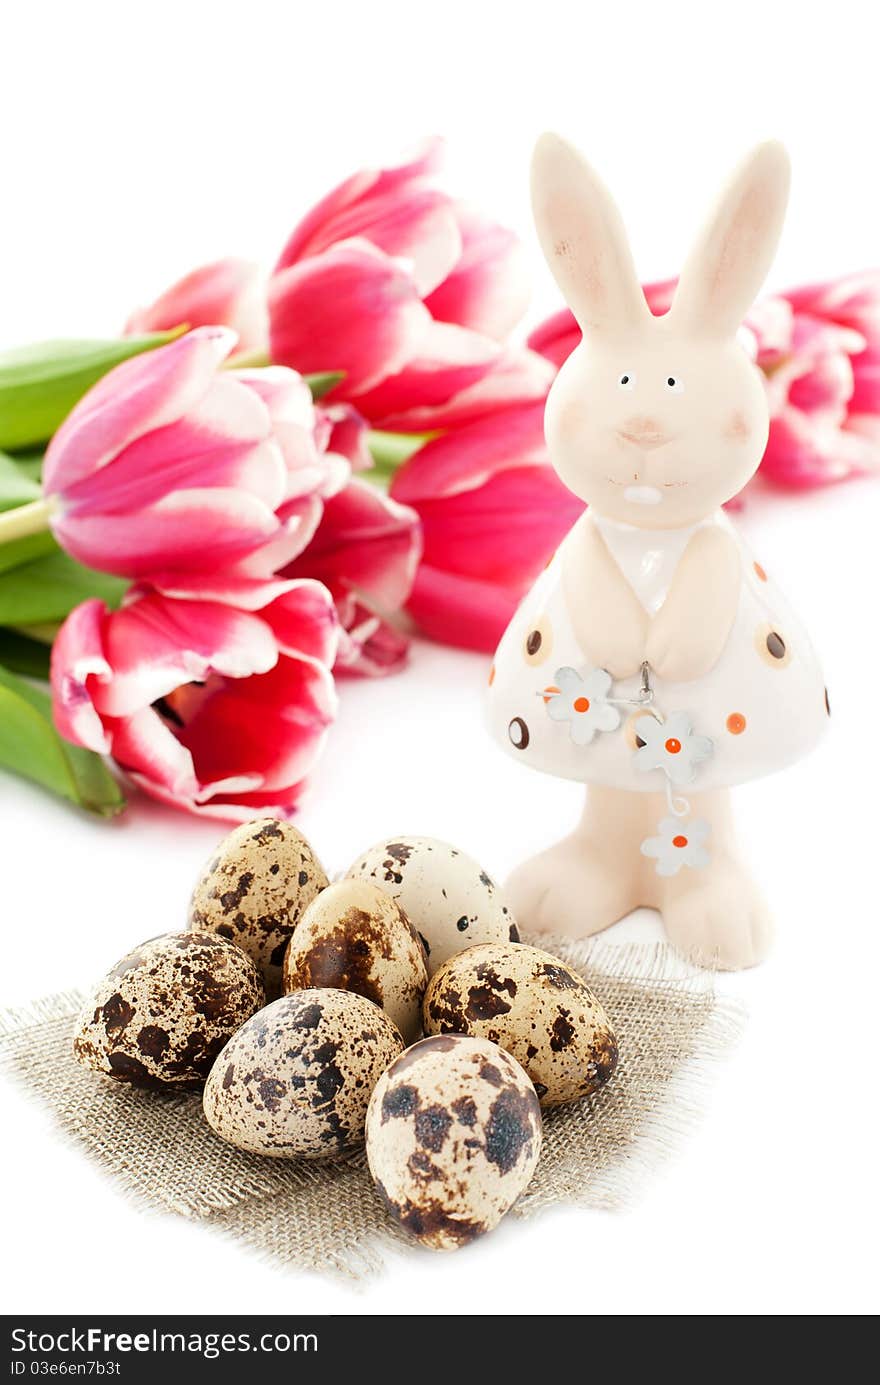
column 535, row 1007
column 447, row 896
column 162, row 1015
column 355, row 937
column 453, row 1137
column 254, row 890
column 295, row 1081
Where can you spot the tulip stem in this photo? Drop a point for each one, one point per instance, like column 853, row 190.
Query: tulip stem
column 24, row 520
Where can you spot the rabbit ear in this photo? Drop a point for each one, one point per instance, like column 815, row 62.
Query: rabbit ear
column 735, row 249
column 583, row 238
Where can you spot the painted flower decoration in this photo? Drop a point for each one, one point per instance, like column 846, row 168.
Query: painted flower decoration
column 582, row 701
column 680, row 843
column 672, row 746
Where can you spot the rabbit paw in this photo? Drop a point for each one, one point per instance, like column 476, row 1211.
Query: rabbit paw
column 716, row 917
column 573, row 890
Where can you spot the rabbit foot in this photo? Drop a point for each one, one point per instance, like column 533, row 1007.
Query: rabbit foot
column 572, row 890
column 716, row 917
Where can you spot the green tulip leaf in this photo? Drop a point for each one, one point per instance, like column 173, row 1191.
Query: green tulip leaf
column 40, row 383
column 48, row 588
column 21, row 654
column 323, row 382
column 30, row 464
column 30, row 746
column 16, row 487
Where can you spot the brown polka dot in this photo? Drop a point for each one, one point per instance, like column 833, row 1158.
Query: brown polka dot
column 518, row 733
column 827, row 703
column 736, row 723
column 772, row 646
column 759, row 572
column 538, row 642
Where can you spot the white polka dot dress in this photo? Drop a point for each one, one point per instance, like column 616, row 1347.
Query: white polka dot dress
column 760, row 708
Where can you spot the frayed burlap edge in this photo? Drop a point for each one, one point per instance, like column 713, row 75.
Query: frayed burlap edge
column 599, row 1153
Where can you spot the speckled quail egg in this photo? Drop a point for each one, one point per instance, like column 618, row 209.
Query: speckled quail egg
column 446, row 895
column 162, row 1015
column 453, row 1137
column 355, row 937
column 254, row 890
column 535, row 1007
column 295, row 1081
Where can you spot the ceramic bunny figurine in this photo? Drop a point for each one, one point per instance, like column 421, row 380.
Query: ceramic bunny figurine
column 654, row 659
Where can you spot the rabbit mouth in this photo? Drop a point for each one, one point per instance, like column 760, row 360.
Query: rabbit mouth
column 647, row 442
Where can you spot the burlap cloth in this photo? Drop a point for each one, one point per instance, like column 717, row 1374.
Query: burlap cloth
column 672, row 1027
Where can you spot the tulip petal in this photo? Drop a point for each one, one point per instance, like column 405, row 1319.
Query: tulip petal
column 272, row 725
column 224, row 293
column 459, row 610
column 369, row 646
column 79, row 666
column 344, row 435
column 518, row 377
column 350, row 309
column 365, row 543
column 488, row 289
column 450, row 359
column 502, row 532
column 326, row 222
column 144, row 746
column 303, row 621
column 465, row 458
column 190, row 529
column 154, row 646
column 146, row 392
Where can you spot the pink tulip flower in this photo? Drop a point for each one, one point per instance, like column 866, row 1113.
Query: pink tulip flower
column 172, row 470
column 492, row 512
column 405, row 290
column 366, row 551
column 226, row 293
column 218, row 711
column 820, row 350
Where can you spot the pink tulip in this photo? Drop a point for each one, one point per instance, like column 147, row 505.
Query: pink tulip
column 492, row 512
column 215, row 710
column 172, row 470
column 227, row 293
column 822, row 361
column 366, row 551
column 405, row 290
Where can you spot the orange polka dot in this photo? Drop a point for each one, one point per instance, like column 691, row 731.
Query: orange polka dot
column 736, row 723
column 679, row 841
column 491, row 675
column 582, row 704
column 759, row 572
column 673, row 746
column 549, row 692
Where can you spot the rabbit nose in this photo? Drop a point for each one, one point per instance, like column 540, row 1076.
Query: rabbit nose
column 645, row 432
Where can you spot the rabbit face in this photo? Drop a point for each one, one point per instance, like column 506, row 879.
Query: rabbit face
column 656, row 421
column 655, row 429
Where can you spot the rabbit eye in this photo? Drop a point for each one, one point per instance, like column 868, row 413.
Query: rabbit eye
column 627, row 380
column 674, row 385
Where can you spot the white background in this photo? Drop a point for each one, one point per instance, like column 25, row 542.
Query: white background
column 141, row 140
